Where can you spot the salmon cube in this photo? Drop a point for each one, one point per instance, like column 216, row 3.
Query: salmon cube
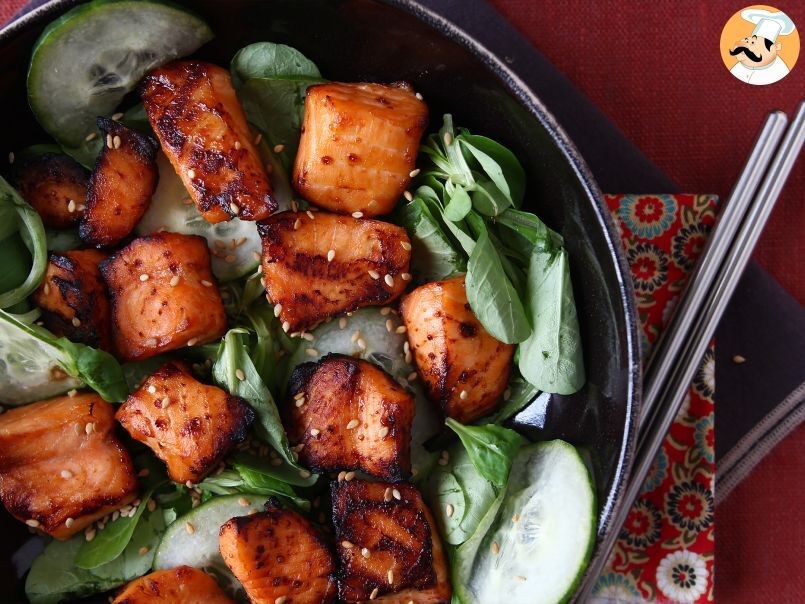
column 198, row 118
column 279, row 556
column 387, row 545
column 73, row 298
column 55, row 185
column 189, row 425
column 359, row 145
column 163, row 295
column 350, row 415
column 319, row 264
column 61, row 465
column 181, row 585
column 465, row 370
column 122, row 184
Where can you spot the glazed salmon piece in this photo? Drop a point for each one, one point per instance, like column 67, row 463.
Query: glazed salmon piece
column 73, row 298
column 198, row 118
column 55, row 185
column 189, row 425
column 358, row 146
column 61, row 465
column 163, row 295
column 181, row 585
column 279, row 556
column 318, row 264
column 122, row 183
column 465, row 369
column 387, row 545
column 350, row 415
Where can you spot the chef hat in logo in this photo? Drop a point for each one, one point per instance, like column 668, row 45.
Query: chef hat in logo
column 769, row 25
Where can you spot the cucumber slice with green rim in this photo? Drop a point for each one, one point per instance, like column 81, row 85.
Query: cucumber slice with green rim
column 199, row 548
column 542, row 556
column 85, row 62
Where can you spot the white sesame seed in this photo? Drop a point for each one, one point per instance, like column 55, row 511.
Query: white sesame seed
column 109, row 143
column 738, row 359
column 419, row 96
column 81, row 207
column 495, row 548
column 33, row 523
column 192, row 341
column 406, row 246
column 412, row 376
column 239, row 374
column 448, row 138
column 152, row 505
column 294, row 205
column 507, row 394
column 299, row 402
column 117, row 116
column 72, row 393
column 408, row 357
column 151, row 342
column 401, row 329
column 374, row 274
column 244, row 502
column 346, row 544
column 308, row 336
column 396, row 494
column 330, row 255
column 408, row 195
column 341, row 475
column 89, row 428
column 365, row 552
column 258, row 138
column 315, row 431
column 286, row 326
column 71, row 206
column 206, row 283
column 238, row 145
column 304, row 474
column 69, row 522
column 448, row 510
column 442, row 462
column 46, row 288
column 405, row 276
column 89, row 534
column 279, row 148
column 342, row 323
column 191, row 174
column 355, row 335
column 385, row 310
column 353, row 423
column 280, row 600
column 76, row 322
column 520, row 578
column 463, row 395
column 277, row 310
column 516, row 518
column 189, row 528
column 166, row 401
column 90, row 136
column 66, row 474
column 374, row 593
column 387, row 494
column 389, row 325
column 349, row 476
column 116, row 142
column 296, row 224
column 390, row 576
column 389, row 280
column 143, row 550
column 152, row 389
column 311, row 352
column 414, row 173
column 361, row 343
column 357, row 214
column 383, row 432
column 310, row 214
column 144, row 277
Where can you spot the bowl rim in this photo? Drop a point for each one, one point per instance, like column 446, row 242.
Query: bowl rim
column 532, row 103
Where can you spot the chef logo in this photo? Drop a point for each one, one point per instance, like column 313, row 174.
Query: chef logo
column 760, row 45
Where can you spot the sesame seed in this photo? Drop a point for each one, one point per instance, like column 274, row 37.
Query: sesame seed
column 286, row 326
column 374, row 274
column 89, row 428
column 442, row 461
column 166, row 401
column 390, row 576
column 69, row 522
column 174, row 281
column 405, row 276
column 406, row 246
column 117, row 116
column 116, row 142
column 244, row 502
column 191, row 174
column 507, row 394
column 72, row 393
column 448, row 138
column 32, row 522
column 516, row 518
column 152, row 505
column 71, row 206
column 77, row 428
column 387, row 494
column 408, row 196
column 81, row 207
column 357, row 214
column 144, row 277
column 280, row 600
column 238, row 145
column 189, row 528
column 365, row 552
column 315, row 432
column 258, row 138
column 109, row 141
column 330, row 255
column 311, row 352
column 520, row 577
column 448, row 510
column 495, row 548
column 189, row 484
column 299, row 402
column 414, row 173
column 738, row 359
column 296, row 224
column 143, row 473
column 385, row 310
column 76, row 322
column 389, row 280
column 355, row 335
column 277, row 310
column 412, row 376
column 143, row 550
column 463, row 395
column 374, row 593
column 192, row 341
column 46, row 289
column 90, row 136
column 396, row 494
column 151, row 342
column 349, row 476
column 279, row 148
column 342, row 323
column 308, row 336
column 383, row 432
column 353, row 423
column 294, row 205
column 206, row 283
column 304, row 474
column 239, row 374
column 401, row 329
column 341, row 475
column 346, row 544
column 89, row 534
column 252, row 511
column 418, row 96
column 408, row 357
column 310, row 214
column 66, row 474
column 361, row 343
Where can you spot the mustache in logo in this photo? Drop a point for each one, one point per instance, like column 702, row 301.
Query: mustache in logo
column 743, row 49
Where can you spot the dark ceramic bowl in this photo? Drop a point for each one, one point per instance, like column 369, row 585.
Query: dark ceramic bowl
column 392, row 40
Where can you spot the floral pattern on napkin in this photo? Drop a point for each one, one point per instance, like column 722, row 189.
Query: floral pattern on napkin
column 665, row 550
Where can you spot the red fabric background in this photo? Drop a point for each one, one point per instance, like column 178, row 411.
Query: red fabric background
column 655, row 70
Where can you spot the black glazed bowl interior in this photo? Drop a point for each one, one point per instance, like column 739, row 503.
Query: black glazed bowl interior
column 393, row 40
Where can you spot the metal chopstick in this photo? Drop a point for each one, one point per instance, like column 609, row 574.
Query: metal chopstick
column 702, row 327
column 676, row 333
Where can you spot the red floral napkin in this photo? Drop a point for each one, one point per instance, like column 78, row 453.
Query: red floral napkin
column 665, row 550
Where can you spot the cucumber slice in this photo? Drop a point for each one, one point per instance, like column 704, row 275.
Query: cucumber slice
column 543, row 555
column 88, row 59
column 200, row 548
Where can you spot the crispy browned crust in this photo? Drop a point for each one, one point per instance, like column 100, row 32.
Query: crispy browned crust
column 337, row 390
column 358, row 146
column 453, row 352
column 39, row 441
column 73, row 291
column 49, row 182
column 405, row 556
column 199, row 425
column 196, row 114
column 278, row 553
column 310, row 288
column 122, row 183
column 181, row 585
column 152, row 316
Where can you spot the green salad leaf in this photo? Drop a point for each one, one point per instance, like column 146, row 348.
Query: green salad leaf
column 491, row 449
column 259, row 482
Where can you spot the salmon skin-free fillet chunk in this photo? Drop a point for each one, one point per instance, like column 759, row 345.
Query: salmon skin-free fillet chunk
column 163, row 295
column 61, row 465
column 73, row 298
column 121, row 186
column 465, row 369
column 387, row 545
column 189, row 425
column 193, row 109
column 358, row 146
column 181, row 585
column 279, row 556
column 317, row 265
column 55, row 185
column 350, row 415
